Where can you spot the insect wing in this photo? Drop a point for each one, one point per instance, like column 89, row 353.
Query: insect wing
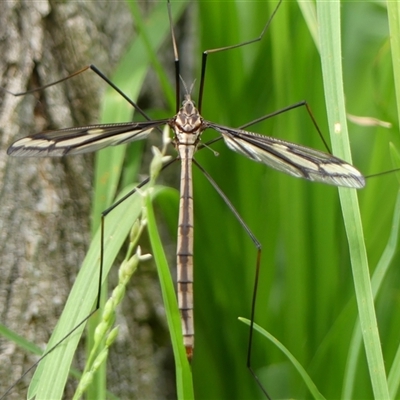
column 292, row 159
column 80, row 140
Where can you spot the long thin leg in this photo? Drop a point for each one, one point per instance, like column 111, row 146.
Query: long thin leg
column 257, row 244
column 273, row 114
column 82, row 70
column 302, row 103
column 207, row 52
column 102, row 227
column 281, row 111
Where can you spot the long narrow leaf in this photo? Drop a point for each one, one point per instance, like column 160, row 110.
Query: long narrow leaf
column 306, row 378
column 183, row 372
column 55, row 366
column 329, row 20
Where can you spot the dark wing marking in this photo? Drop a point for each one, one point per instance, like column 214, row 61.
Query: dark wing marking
column 290, row 158
column 82, row 139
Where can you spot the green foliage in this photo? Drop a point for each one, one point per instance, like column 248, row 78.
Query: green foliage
column 306, row 295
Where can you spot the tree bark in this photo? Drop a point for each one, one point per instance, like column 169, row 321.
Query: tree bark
column 45, row 203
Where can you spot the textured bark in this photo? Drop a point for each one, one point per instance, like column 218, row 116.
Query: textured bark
column 45, row 203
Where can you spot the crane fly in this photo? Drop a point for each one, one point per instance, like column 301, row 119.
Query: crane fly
column 187, row 127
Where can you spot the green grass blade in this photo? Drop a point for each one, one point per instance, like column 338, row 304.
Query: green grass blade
column 394, row 376
column 55, row 366
column 329, row 20
column 393, row 10
column 183, row 372
column 19, row 340
column 380, row 273
column 306, row 378
column 309, row 12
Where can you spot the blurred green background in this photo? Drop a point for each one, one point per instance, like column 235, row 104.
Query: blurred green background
column 306, row 293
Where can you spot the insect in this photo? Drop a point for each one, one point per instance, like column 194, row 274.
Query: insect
column 283, row 148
